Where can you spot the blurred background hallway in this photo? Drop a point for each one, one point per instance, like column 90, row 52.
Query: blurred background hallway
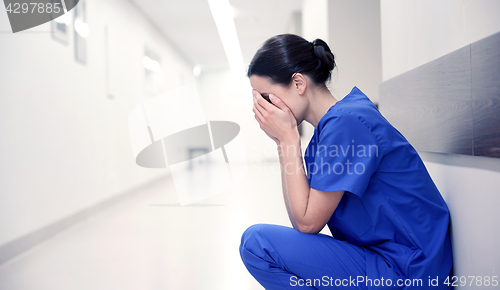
column 78, row 212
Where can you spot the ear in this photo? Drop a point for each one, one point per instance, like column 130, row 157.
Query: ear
column 299, row 83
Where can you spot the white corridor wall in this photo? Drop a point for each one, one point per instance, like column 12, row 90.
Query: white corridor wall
column 414, row 33
column 64, row 144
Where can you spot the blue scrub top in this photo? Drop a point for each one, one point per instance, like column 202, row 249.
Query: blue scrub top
column 391, row 206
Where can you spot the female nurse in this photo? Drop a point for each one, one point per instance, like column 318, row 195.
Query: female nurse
column 360, row 177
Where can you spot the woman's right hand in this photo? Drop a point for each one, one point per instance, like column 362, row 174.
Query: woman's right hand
column 275, row 118
column 274, row 138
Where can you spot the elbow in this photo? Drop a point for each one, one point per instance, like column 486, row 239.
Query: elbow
column 308, row 228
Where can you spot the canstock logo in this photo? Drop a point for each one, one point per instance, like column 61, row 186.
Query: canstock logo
column 204, row 158
column 25, row 14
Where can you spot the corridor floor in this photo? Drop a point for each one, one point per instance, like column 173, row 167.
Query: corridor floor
column 148, row 242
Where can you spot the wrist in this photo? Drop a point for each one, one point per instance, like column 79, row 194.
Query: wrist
column 292, row 139
column 289, row 143
column 288, row 148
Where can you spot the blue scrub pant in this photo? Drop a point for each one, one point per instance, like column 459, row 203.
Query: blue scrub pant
column 283, row 258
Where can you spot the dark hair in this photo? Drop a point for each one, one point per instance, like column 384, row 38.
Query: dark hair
column 283, row 55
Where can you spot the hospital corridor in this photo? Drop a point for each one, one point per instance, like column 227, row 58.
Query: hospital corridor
column 245, row 145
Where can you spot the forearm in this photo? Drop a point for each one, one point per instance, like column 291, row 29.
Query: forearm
column 295, row 185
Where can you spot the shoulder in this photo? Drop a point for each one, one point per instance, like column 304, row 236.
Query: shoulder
column 338, row 119
column 355, row 108
column 354, row 115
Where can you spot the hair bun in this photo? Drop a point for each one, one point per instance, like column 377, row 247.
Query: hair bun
column 283, row 55
column 324, row 54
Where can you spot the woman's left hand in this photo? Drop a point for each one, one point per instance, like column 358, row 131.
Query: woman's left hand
column 276, row 119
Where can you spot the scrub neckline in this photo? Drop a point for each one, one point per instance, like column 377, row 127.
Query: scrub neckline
column 329, row 109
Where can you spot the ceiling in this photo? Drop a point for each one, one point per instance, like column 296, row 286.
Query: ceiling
column 191, row 28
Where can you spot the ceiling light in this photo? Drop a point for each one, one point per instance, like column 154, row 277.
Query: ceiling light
column 223, row 16
column 196, row 70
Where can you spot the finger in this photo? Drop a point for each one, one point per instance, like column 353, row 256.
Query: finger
column 278, row 102
column 261, row 101
column 256, row 97
column 256, row 118
column 258, row 108
column 258, row 115
column 262, row 112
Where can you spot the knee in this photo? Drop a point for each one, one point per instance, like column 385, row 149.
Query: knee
column 255, row 232
column 252, row 230
column 249, row 237
column 251, row 241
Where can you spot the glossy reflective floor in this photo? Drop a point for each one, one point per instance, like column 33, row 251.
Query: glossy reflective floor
column 148, row 241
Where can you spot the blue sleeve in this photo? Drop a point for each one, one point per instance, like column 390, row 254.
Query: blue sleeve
column 346, row 156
